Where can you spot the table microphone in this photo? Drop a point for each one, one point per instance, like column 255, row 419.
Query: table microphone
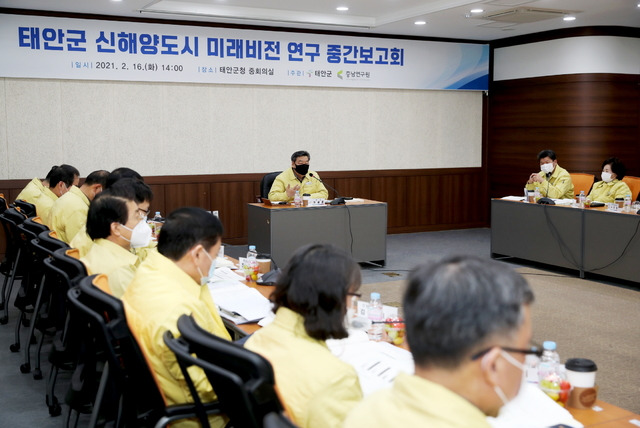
column 336, row 201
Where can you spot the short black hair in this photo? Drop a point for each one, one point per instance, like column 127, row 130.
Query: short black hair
column 186, row 227
column 133, row 189
column 616, row 166
column 58, row 174
column 97, row 177
column 547, row 154
column 456, row 306
column 299, row 154
column 106, row 208
column 120, row 173
column 314, row 284
column 71, row 170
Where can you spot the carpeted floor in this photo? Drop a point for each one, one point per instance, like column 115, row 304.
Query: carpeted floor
column 588, row 319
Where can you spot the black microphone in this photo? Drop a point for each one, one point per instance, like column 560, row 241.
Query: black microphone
column 338, row 200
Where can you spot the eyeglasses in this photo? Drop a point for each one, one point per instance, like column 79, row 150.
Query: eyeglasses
column 143, row 213
column 358, row 295
column 533, row 350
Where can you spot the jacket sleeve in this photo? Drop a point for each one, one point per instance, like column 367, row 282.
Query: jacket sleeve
column 278, row 190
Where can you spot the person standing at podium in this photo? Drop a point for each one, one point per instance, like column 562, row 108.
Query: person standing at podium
column 553, row 181
column 298, row 178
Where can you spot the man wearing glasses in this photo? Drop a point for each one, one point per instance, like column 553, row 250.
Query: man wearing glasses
column 468, row 325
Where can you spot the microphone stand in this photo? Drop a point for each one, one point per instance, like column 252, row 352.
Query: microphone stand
column 338, row 200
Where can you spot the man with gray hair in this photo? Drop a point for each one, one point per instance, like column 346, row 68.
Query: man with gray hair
column 468, row 325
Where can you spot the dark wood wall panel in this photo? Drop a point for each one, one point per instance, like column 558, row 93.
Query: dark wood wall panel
column 585, row 118
column 418, row 200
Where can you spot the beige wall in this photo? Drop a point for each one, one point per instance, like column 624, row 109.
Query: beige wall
column 176, row 128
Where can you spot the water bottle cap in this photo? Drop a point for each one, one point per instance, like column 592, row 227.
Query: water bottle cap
column 375, row 295
column 549, row 345
column 252, row 247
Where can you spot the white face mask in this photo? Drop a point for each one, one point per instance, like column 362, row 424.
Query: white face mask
column 606, row 177
column 499, row 392
column 547, row 168
column 212, row 269
column 140, row 235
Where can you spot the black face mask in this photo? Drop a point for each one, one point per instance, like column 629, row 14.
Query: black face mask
column 302, row 169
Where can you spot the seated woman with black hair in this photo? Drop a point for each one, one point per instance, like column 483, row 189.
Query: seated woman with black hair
column 611, row 187
column 311, row 300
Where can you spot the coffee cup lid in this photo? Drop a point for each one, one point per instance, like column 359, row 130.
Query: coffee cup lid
column 580, row 365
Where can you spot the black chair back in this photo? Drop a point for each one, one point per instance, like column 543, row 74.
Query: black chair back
column 243, row 380
column 3, row 203
column 27, row 208
column 266, row 183
column 133, row 389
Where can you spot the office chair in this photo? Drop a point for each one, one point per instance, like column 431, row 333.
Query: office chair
column 277, row 420
column 634, row 186
column 14, row 268
column 266, row 183
column 582, row 182
column 65, row 268
column 27, row 208
column 243, row 380
column 127, row 392
column 34, row 289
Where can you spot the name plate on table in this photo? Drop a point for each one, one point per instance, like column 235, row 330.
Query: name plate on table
column 316, row 202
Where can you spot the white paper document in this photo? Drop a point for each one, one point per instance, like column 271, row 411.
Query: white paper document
column 377, row 363
column 237, row 302
column 532, row 408
column 513, row 198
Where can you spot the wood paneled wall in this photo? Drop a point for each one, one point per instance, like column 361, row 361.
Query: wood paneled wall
column 418, row 200
column 584, row 118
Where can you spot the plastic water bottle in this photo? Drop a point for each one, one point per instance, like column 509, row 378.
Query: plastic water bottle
column 551, row 380
column 549, row 360
column 156, row 223
column 297, row 200
column 251, row 273
column 627, row 204
column 536, row 196
column 375, row 315
column 582, row 198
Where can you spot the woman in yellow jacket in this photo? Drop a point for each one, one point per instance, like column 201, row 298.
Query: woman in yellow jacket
column 311, row 300
column 611, row 187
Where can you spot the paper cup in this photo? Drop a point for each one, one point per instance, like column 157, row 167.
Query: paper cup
column 581, row 372
column 264, row 265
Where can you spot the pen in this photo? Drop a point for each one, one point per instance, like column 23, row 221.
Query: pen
column 387, row 322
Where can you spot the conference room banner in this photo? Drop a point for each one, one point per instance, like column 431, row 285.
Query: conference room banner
column 87, row 49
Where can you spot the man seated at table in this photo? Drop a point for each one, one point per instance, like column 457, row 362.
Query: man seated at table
column 553, row 181
column 298, row 178
column 130, row 188
column 36, row 186
column 115, row 226
column 167, row 285
column 57, row 183
column 468, row 326
column 69, row 213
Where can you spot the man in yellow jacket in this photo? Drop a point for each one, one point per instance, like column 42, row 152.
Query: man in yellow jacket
column 297, row 178
column 69, row 213
column 468, row 326
column 169, row 284
column 553, row 181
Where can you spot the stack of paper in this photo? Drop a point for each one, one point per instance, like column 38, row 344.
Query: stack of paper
column 237, row 302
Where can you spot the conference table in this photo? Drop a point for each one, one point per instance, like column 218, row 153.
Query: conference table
column 605, row 415
column 359, row 227
column 589, row 240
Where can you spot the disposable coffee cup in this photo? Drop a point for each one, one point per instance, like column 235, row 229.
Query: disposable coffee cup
column 581, row 372
column 305, row 199
column 264, row 265
column 531, row 197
